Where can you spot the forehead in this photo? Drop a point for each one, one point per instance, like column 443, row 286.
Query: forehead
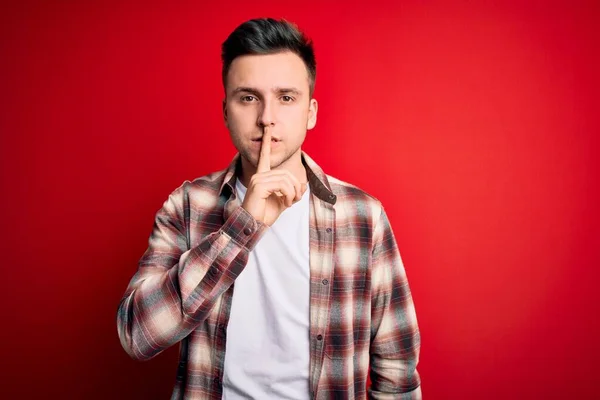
column 266, row 71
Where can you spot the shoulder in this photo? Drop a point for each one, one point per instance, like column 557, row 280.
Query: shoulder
column 198, row 193
column 352, row 197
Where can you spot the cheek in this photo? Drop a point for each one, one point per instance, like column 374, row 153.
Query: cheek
column 294, row 116
column 239, row 120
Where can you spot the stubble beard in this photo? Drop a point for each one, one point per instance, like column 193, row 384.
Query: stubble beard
column 252, row 158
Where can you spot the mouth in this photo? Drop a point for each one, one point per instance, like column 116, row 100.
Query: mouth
column 273, row 140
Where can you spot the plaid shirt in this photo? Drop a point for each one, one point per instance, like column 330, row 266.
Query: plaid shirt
column 362, row 316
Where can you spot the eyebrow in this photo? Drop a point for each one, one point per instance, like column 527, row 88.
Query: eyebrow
column 278, row 90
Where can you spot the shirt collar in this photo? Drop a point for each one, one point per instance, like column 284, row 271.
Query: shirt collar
column 317, row 179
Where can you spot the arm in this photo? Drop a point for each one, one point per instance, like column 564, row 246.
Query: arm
column 395, row 339
column 174, row 288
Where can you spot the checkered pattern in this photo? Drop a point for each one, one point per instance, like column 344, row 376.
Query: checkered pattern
column 362, row 317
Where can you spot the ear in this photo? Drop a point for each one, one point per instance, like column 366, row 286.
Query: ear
column 225, row 111
column 313, row 107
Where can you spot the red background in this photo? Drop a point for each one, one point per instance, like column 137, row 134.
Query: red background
column 476, row 125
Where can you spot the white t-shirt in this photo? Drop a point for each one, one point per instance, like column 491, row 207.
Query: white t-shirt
column 267, row 352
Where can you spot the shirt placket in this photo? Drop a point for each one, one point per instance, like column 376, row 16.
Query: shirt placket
column 322, row 231
column 220, row 330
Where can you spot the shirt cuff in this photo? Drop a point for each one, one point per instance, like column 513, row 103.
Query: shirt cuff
column 243, row 228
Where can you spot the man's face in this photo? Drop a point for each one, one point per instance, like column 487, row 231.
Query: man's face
column 268, row 90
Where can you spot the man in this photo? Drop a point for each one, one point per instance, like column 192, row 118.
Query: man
column 277, row 280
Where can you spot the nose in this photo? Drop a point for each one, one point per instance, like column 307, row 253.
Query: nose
column 266, row 116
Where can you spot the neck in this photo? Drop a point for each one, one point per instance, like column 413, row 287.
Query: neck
column 292, row 164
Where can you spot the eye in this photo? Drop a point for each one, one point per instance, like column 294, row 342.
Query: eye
column 248, row 98
column 287, row 99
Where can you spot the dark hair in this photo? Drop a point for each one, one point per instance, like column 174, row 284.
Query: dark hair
column 268, row 36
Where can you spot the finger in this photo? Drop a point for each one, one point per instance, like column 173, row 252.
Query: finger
column 281, row 185
column 290, row 193
column 295, row 182
column 265, row 177
column 264, row 159
column 285, row 173
column 297, row 188
column 285, row 190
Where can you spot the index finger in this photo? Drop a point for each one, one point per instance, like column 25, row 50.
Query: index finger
column 264, row 159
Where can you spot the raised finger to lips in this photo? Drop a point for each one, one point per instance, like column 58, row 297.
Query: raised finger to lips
column 264, row 159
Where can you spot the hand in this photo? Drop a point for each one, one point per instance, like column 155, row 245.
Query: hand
column 271, row 192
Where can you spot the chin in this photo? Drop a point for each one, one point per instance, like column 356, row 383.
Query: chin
column 250, row 157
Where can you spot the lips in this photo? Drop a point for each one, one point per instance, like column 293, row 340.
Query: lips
column 260, row 140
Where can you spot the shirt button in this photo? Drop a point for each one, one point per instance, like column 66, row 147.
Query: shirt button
column 328, row 230
column 247, row 231
column 325, row 281
column 319, row 337
column 216, row 380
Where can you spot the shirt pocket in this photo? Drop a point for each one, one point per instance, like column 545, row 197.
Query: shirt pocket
column 348, row 313
column 348, row 283
column 340, row 346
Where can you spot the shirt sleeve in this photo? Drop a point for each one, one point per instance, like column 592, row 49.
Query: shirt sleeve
column 175, row 288
column 395, row 338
